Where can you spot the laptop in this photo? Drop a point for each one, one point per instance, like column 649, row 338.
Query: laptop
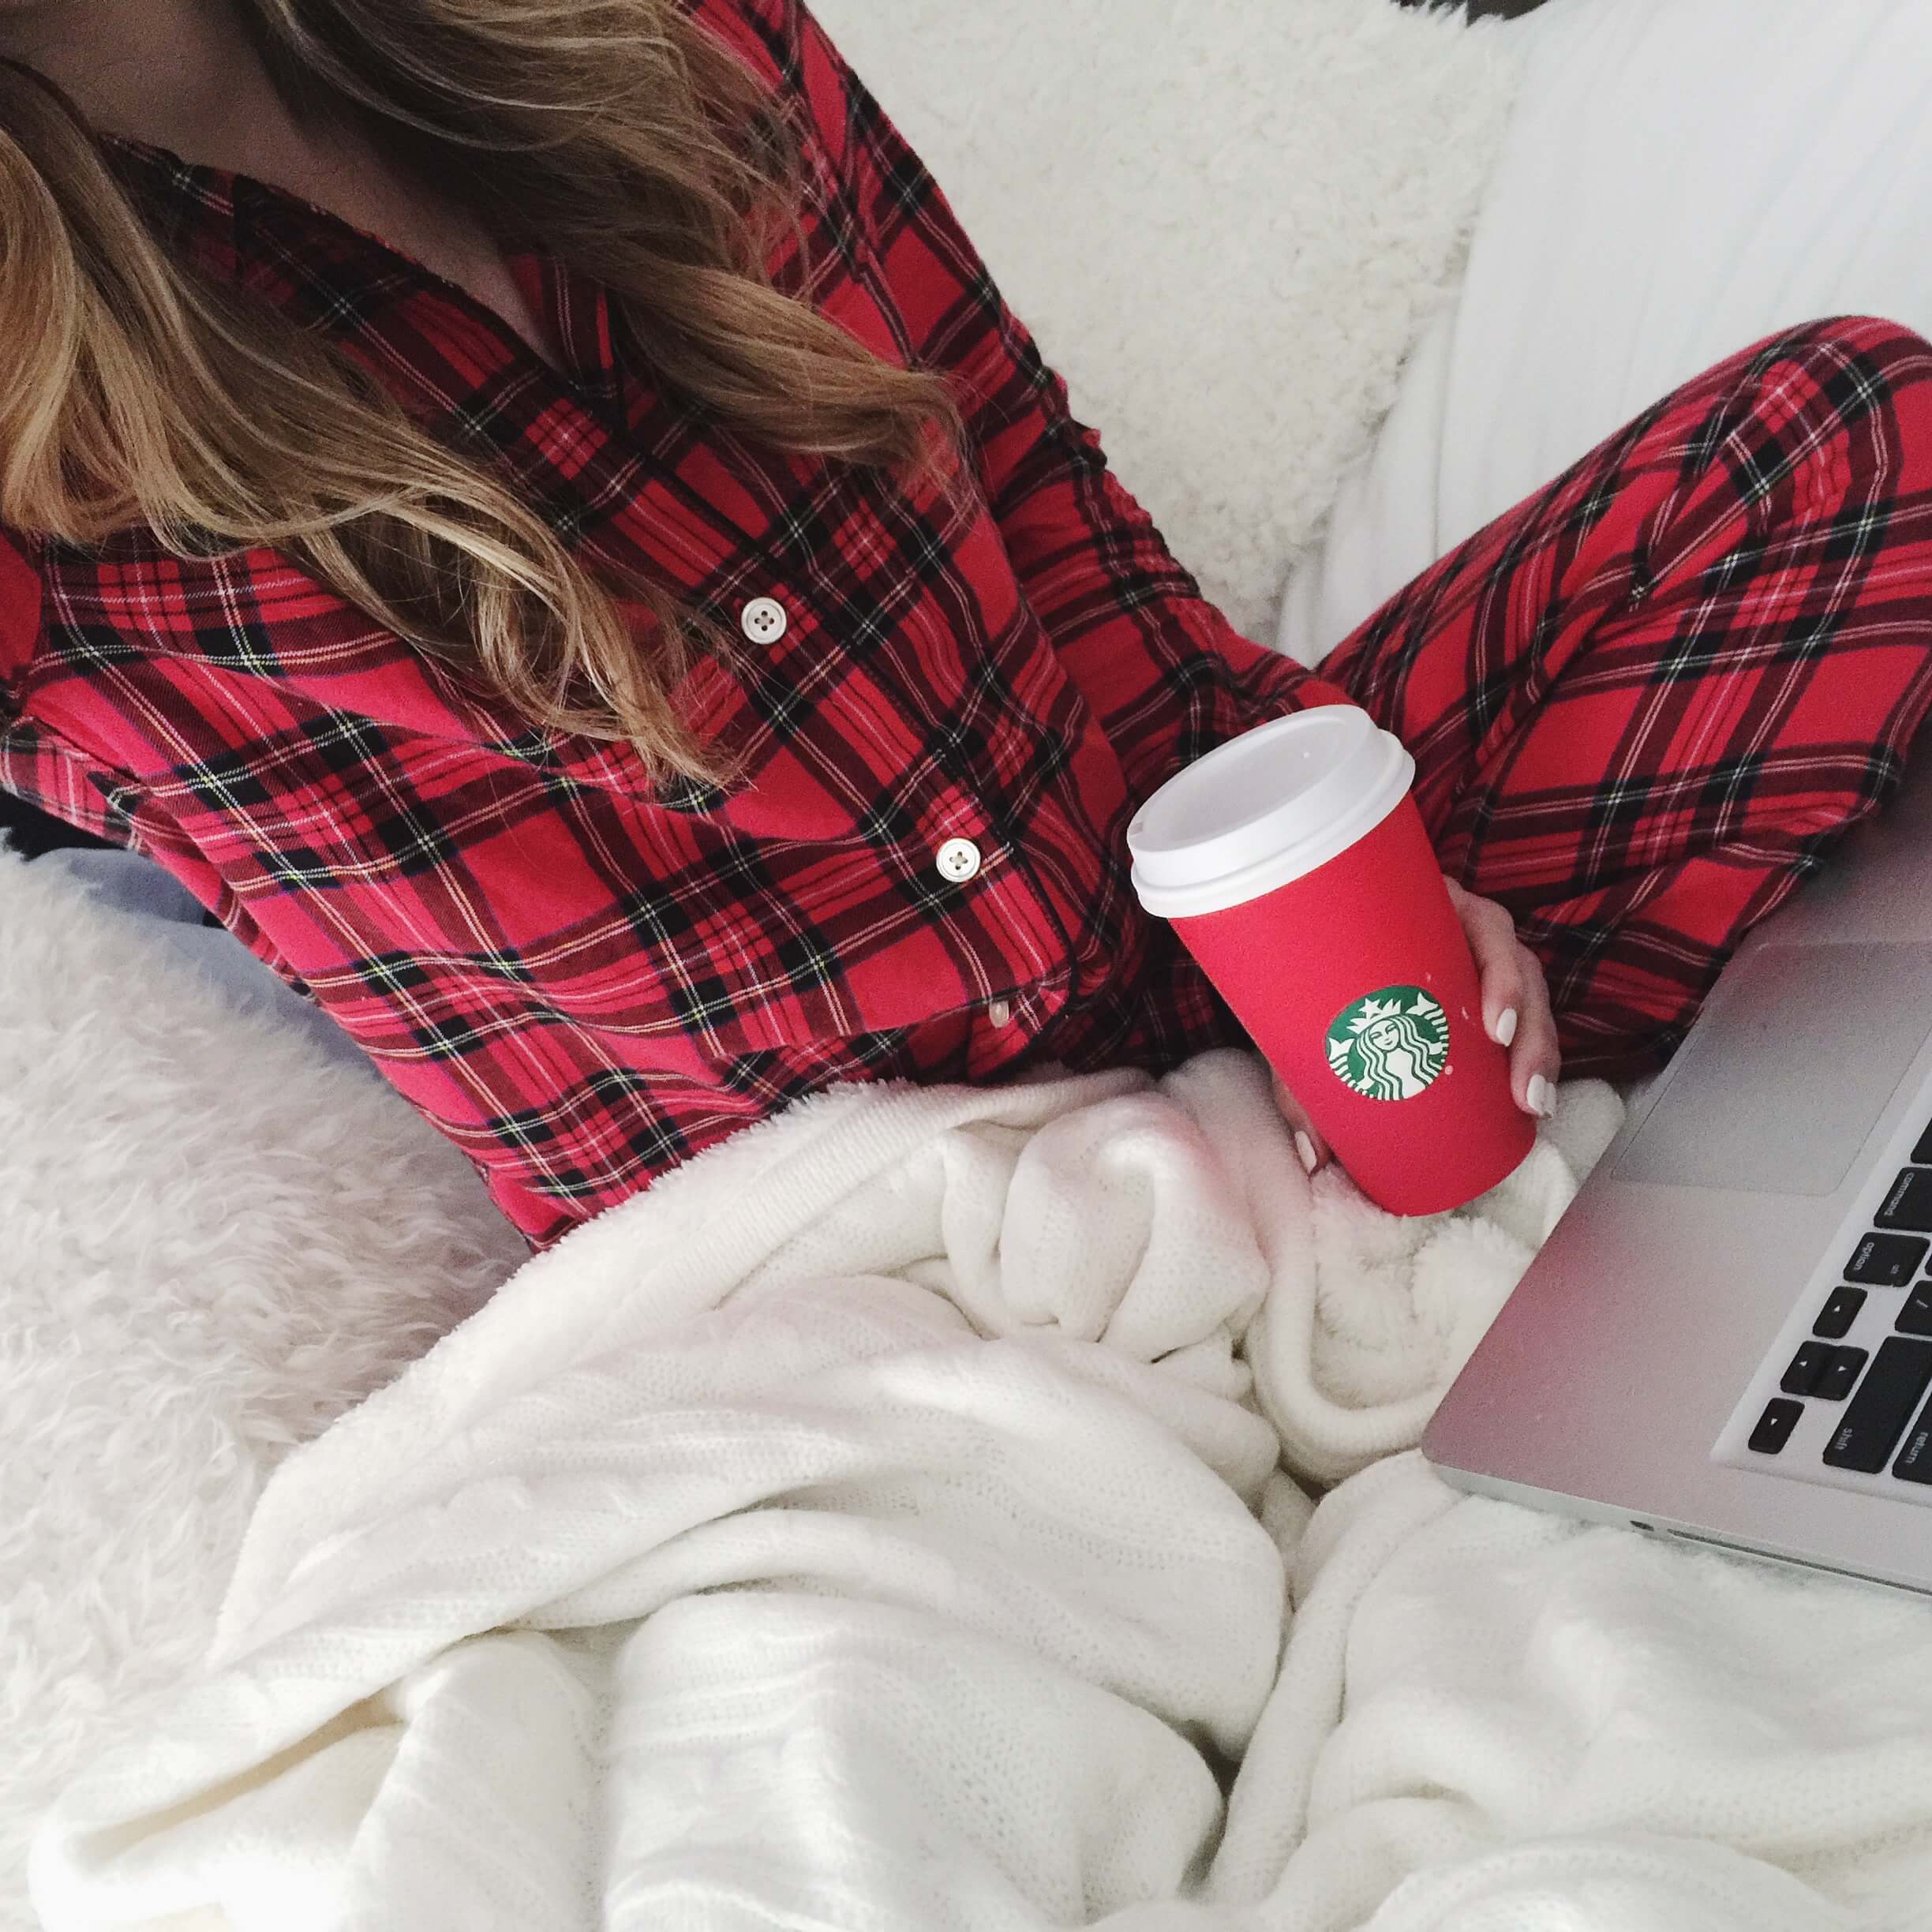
column 1727, row 1339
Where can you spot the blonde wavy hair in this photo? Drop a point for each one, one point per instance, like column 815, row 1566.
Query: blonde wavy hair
column 134, row 392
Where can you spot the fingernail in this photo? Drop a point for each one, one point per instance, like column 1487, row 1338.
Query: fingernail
column 1306, row 1147
column 1542, row 1099
column 1506, row 1026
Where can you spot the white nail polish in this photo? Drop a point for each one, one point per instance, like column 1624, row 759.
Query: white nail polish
column 1506, row 1026
column 1306, row 1147
column 1542, row 1098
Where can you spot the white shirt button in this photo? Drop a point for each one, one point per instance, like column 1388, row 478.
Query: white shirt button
column 763, row 620
column 958, row 859
column 999, row 1012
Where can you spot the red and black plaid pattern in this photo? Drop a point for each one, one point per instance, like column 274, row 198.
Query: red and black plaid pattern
column 579, row 979
column 1645, row 702
column 1640, row 704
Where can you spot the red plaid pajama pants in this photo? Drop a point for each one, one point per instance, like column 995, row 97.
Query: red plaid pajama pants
column 1644, row 702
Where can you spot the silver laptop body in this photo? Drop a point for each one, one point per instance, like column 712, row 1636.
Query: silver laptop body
column 1747, row 1264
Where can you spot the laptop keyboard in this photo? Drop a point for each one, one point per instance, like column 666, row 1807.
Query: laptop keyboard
column 1886, row 1392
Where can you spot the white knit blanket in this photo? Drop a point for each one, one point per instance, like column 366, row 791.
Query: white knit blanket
column 879, row 1524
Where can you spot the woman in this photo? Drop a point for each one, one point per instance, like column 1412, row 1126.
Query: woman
column 538, row 517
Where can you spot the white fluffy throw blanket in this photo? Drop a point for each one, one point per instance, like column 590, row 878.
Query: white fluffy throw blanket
column 880, row 1524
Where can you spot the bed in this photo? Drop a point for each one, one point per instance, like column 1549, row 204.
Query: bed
column 1013, row 1521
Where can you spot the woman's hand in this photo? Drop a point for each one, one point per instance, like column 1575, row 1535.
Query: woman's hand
column 1516, row 1014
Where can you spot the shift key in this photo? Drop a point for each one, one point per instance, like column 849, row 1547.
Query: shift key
column 1875, row 1418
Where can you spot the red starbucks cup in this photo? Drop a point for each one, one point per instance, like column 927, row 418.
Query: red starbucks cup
column 1293, row 865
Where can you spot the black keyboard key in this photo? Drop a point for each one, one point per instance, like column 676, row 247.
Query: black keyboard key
column 1839, row 1312
column 1775, row 1425
column 1914, row 1460
column 1908, row 1204
column 1915, row 1317
column 1923, row 1152
column 1840, row 1373
column 1810, row 1362
column 1900, row 1373
column 1886, row 1261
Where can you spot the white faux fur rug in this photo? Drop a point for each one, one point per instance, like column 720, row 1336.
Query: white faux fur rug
column 1226, row 222
column 215, row 1242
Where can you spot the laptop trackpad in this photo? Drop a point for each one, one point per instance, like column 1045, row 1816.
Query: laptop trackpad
column 1780, row 1083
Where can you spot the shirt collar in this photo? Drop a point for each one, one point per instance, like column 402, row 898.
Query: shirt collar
column 332, row 275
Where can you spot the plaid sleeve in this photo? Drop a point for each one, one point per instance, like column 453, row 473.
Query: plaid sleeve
column 36, row 762
column 43, row 765
column 1166, row 673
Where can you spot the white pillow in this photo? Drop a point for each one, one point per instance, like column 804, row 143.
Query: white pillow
column 1679, row 178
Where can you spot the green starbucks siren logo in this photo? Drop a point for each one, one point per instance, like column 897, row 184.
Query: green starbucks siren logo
column 1390, row 1045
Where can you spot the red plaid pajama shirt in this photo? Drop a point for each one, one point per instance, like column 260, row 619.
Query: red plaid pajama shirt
column 1641, row 704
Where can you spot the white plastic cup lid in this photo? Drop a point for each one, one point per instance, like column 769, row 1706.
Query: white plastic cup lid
column 1264, row 809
